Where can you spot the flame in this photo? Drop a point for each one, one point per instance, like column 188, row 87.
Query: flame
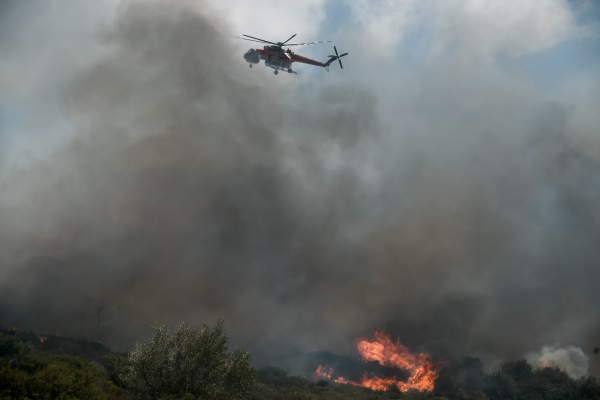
column 422, row 368
column 43, row 338
column 376, row 383
column 320, row 373
column 545, row 364
column 14, row 328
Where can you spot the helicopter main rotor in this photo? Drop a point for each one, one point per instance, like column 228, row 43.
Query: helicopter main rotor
column 279, row 44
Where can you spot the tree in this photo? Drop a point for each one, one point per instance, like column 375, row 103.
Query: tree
column 589, row 388
column 12, row 347
column 189, row 362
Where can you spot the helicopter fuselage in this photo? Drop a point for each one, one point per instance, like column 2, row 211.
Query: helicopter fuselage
column 277, row 58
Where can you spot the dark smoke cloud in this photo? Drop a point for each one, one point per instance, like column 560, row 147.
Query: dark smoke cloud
column 179, row 198
column 193, row 190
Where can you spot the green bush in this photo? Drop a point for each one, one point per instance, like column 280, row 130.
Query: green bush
column 589, row 388
column 189, row 362
column 56, row 377
column 116, row 366
column 12, row 347
column 520, row 381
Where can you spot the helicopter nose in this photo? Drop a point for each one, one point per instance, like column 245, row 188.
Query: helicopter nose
column 251, row 56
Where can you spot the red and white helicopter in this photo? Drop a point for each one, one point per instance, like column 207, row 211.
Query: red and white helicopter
column 279, row 59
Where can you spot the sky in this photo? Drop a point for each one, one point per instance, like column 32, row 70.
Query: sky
column 443, row 186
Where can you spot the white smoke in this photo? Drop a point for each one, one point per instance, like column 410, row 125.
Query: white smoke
column 570, row 359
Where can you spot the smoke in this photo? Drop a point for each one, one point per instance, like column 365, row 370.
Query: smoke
column 183, row 194
column 570, row 359
column 194, row 188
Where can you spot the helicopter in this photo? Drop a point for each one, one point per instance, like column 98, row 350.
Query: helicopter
column 281, row 60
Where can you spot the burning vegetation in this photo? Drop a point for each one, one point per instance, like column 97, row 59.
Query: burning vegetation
column 161, row 369
column 407, row 371
column 324, row 373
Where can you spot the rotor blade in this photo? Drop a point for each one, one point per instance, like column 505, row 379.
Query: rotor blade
column 345, row 54
column 259, row 39
column 338, row 57
column 262, row 40
column 250, row 40
column 289, row 39
column 307, row 44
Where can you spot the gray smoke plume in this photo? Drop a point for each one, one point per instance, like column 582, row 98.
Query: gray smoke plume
column 570, row 359
column 193, row 189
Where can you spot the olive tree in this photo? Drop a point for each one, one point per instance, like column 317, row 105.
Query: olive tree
column 189, row 362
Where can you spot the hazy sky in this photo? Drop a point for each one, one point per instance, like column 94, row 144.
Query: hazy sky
column 444, row 186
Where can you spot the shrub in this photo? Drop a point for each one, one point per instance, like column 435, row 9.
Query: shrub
column 12, row 347
column 189, row 362
column 56, row 377
column 589, row 388
column 116, row 366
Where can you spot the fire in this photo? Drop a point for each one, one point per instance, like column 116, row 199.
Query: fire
column 320, row 373
column 14, row 328
column 376, row 383
column 546, row 364
column 422, row 368
column 43, row 338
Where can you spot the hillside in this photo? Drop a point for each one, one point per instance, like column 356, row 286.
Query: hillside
column 45, row 366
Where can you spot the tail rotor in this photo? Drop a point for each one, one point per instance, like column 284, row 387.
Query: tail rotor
column 337, row 56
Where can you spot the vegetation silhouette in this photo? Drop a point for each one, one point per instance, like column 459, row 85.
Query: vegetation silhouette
column 193, row 364
column 189, row 362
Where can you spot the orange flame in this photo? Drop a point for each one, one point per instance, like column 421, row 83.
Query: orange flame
column 43, row 338
column 320, row 373
column 14, row 328
column 376, row 383
column 545, row 364
column 422, row 368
